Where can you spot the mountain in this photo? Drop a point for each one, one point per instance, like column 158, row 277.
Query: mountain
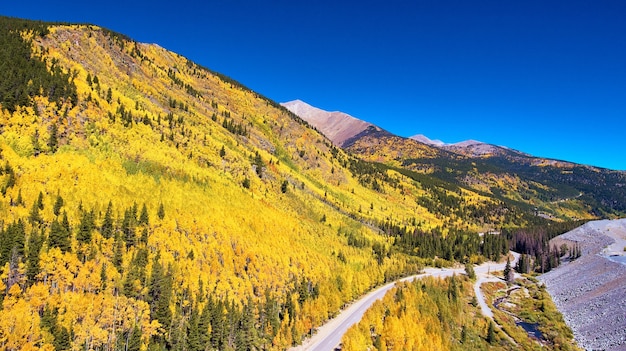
column 339, row 127
column 469, row 148
column 553, row 188
column 148, row 202
column 425, row 140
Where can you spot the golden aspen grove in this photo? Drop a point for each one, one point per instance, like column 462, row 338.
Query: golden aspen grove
column 148, row 203
column 442, row 314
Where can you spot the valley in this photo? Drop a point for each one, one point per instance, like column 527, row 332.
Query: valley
column 150, row 203
column 328, row 336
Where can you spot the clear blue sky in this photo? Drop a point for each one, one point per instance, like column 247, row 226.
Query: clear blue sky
column 544, row 77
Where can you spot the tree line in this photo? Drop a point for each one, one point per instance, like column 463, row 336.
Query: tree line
column 22, row 75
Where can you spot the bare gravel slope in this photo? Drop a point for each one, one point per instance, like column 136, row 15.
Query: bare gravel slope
column 591, row 291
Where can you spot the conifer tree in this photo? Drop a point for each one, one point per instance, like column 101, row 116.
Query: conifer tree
column 143, row 217
column 144, row 236
column 12, row 242
column 34, row 216
column 284, row 186
column 19, row 201
column 491, row 333
column 204, row 322
column 107, row 223
column 118, row 252
column 217, row 324
column 103, row 277
column 453, row 289
column 36, row 143
column 85, row 228
column 507, row 270
column 53, row 140
column 59, row 235
column 58, row 204
column 128, row 226
column 258, row 163
column 469, row 270
column 160, row 293
column 193, row 331
column 161, row 212
column 32, row 260
column 49, row 322
column 246, row 333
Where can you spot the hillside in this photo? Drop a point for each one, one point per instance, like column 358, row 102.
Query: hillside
column 149, row 203
column 553, row 189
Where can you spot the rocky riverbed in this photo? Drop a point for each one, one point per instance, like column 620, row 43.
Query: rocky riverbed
column 591, row 291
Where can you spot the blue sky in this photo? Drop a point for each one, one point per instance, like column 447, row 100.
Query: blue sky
column 544, row 77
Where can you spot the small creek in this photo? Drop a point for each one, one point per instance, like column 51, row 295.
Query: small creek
column 531, row 328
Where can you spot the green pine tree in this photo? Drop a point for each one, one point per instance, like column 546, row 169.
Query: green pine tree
column 53, row 140
column 507, row 270
column 469, row 270
column 58, row 204
column 161, row 212
column 491, row 333
column 32, row 260
column 107, row 223
column 143, row 217
column 85, row 228
column 59, row 235
column 193, row 331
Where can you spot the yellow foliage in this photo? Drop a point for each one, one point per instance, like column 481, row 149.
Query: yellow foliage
column 253, row 200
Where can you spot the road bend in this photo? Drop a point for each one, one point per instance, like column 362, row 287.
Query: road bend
column 328, row 336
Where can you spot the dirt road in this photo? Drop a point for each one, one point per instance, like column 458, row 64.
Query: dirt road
column 328, row 336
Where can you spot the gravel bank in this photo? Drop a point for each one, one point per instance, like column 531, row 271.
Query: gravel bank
column 591, row 291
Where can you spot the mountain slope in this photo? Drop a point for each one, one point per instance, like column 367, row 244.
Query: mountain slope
column 234, row 190
column 149, row 203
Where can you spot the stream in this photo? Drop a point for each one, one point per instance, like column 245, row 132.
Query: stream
column 532, row 329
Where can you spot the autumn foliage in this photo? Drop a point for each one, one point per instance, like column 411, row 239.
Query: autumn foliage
column 147, row 202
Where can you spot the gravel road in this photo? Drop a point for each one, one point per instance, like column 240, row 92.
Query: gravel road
column 328, row 336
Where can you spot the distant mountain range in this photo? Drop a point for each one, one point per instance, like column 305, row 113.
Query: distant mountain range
column 494, row 170
column 344, row 131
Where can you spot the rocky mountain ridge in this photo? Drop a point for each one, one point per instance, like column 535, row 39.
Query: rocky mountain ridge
column 339, row 127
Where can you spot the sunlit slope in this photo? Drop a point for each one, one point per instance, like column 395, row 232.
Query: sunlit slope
column 553, row 189
column 161, row 189
column 147, row 203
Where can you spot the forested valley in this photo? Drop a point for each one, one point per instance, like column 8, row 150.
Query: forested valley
column 149, row 203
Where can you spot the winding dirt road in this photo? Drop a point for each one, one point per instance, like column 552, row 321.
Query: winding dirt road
column 328, row 336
